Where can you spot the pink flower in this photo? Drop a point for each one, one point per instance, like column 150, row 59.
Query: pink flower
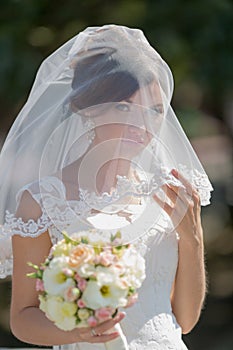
column 106, row 258
column 71, row 294
column 81, row 304
column 92, row 321
column 82, row 283
column 39, row 285
column 96, row 259
column 67, row 272
column 77, row 277
column 107, row 248
column 104, row 313
column 132, row 300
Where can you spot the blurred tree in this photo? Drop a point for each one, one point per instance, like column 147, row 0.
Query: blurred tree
column 194, row 37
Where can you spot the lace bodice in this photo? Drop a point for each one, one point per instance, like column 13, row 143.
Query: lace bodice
column 150, row 323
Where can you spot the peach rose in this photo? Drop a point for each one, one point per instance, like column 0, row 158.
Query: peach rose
column 81, row 254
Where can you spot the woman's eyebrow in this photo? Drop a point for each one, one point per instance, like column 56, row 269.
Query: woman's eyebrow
column 156, row 105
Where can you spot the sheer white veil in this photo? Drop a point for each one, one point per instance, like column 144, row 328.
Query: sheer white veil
column 75, row 100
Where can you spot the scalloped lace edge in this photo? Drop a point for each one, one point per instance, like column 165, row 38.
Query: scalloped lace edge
column 162, row 175
column 31, row 228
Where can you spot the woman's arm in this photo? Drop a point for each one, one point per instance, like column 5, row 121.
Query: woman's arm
column 190, row 283
column 189, row 288
column 28, row 322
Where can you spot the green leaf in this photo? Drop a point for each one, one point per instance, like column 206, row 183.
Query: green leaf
column 84, row 240
column 68, row 239
column 36, row 267
column 117, row 235
column 131, row 291
column 114, row 314
column 32, row 275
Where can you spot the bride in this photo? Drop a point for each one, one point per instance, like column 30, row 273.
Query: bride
column 97, row 145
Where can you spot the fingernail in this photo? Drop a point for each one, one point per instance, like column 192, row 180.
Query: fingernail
column 116, row 334
column 120, row 315
column 174, row 172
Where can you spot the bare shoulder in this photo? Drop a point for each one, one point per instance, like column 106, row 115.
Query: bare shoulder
column 28, row 208
column 25, row 247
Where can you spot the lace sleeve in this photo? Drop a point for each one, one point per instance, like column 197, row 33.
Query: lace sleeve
column 31, row 228
column 28, row 221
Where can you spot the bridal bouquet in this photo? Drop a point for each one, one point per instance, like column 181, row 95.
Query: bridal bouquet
column 82, row 283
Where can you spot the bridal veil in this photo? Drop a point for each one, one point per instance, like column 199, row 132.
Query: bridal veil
column 98, row 120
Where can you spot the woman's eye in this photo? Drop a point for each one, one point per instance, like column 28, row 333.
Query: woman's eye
column 124, row 107
column 156, row 110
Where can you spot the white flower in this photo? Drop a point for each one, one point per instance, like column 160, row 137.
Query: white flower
column 105, row 275
column 55, row 281
column 134, row 265
column 83, row 314
column 43, row 303
column 107, row 293
column 86, row 270
column 67, row 324
column 62, row 313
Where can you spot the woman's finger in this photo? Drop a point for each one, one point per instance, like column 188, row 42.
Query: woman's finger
column 189, row 188
column 181, row 201
column 192, row 191
column 103, row 338
column 178, row 195
column 105, row 326
column 164, row 205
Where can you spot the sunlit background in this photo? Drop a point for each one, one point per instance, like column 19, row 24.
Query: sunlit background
column 195, row 38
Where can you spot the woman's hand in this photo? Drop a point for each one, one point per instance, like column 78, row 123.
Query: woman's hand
column 183, row 208
column 102, row 333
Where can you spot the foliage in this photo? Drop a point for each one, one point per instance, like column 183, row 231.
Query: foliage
column 193, row 36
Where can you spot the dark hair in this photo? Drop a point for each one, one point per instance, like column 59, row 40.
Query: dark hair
column 106, row 77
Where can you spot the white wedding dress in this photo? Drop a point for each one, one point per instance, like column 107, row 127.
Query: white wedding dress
column 150, row 323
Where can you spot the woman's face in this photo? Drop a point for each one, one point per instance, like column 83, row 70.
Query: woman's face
column 128, row 126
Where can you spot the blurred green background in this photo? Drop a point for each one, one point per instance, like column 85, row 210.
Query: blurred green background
column 195, row 38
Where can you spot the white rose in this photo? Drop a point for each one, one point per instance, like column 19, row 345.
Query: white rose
column 86, row 270
column 106, row 275
column 134, row 267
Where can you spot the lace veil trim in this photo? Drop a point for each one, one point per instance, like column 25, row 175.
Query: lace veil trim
column 52, row 192
column 162, row 175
